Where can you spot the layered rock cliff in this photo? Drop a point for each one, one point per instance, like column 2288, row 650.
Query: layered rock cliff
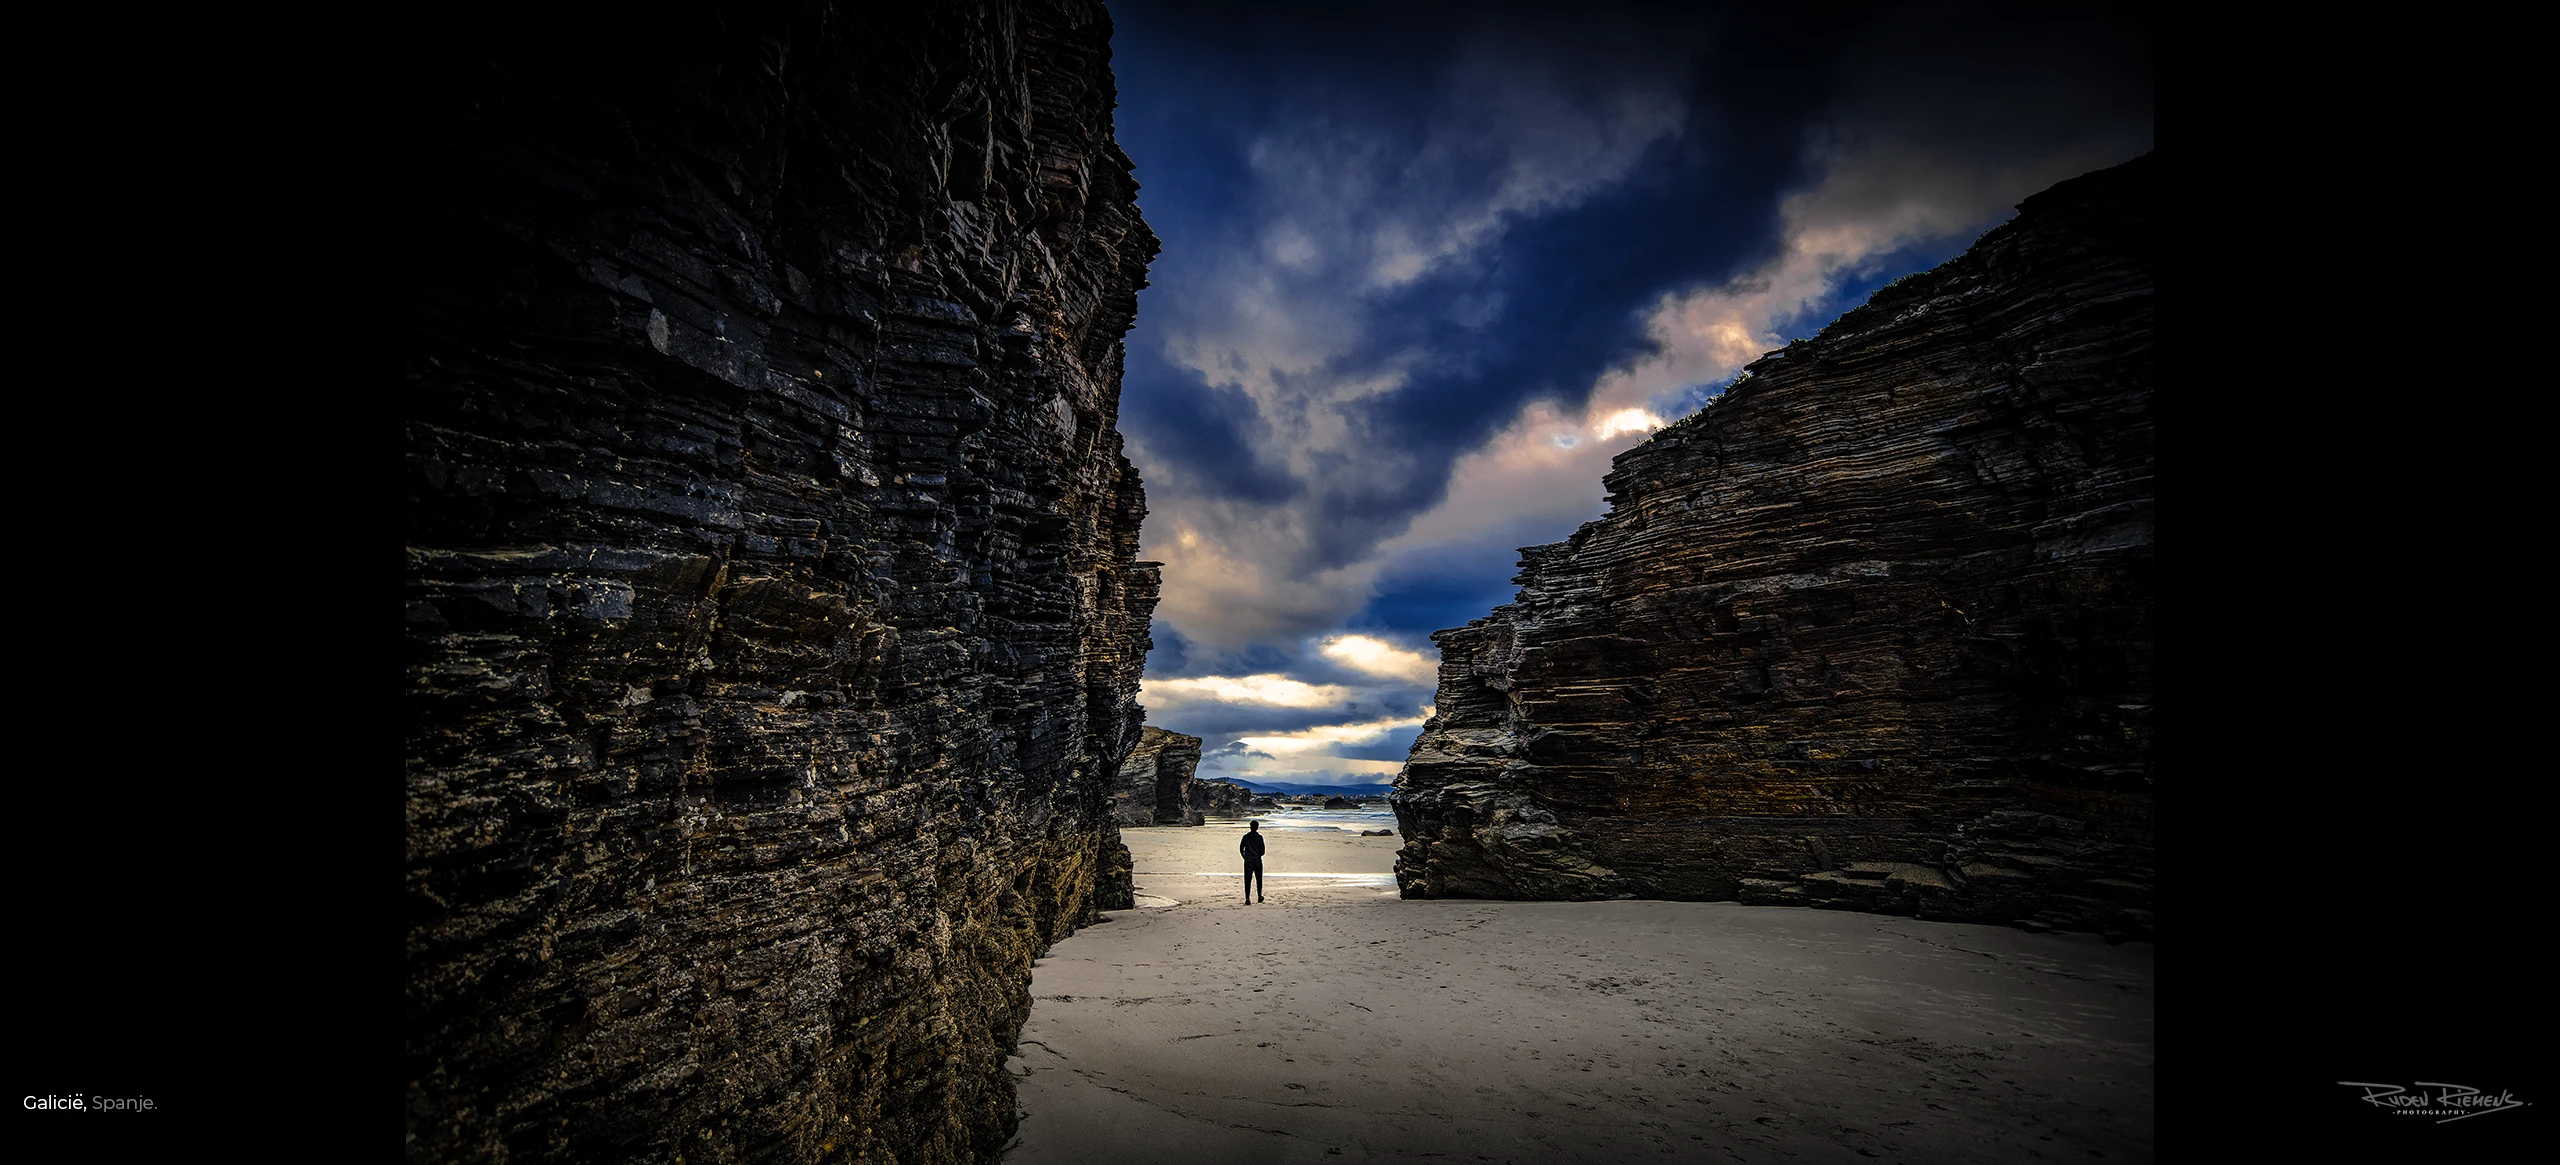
column 774, row 622
column 1154, row 787
column 1874, row 630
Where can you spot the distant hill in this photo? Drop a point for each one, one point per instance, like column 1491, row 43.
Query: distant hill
column 1353, row 791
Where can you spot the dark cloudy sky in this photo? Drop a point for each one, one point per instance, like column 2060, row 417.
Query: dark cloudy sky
column 1428, row 267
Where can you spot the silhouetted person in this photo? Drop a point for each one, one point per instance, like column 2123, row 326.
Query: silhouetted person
column 1252, row 848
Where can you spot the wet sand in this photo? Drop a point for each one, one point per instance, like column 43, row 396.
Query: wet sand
column 1336, row 1022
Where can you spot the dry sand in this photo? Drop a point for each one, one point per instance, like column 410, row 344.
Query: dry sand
column 1336, row 1022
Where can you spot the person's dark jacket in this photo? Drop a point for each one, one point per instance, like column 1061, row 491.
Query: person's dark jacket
column 1251, row 845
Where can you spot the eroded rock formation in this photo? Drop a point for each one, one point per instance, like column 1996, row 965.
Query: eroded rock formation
column 1872, row 631
column 773, row 618
column 1220, row 796
column 1153, row 787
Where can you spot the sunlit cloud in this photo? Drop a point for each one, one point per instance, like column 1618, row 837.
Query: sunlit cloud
column 1625, row 421
column 1380, row 658
column 1270, row 690
column 1326, row 736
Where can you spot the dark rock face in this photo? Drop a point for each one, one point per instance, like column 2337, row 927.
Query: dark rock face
column 1153, row 787
column 773, row 618
column 1873, row 631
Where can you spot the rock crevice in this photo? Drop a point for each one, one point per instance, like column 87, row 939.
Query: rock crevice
column 1872, row 631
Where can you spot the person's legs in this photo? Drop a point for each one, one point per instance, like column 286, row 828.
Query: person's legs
column 1252, row 877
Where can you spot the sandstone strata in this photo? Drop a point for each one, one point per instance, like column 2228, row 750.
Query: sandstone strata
column 773, row 623
column 1872, row 631
column 1154, row 786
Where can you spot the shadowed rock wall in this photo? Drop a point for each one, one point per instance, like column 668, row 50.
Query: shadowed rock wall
column 1874, row 630
column 1153, row 787
column 773, row 618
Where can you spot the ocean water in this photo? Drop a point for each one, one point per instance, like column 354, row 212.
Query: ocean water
column 1299, row 820
column 1290, row 817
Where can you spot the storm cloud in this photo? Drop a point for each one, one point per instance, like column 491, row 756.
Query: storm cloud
column 1427, row 269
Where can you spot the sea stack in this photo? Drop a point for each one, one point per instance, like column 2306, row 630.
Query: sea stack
column 1874, row 630
column 773, row 623
column 1220, row 795
column 1154, row 786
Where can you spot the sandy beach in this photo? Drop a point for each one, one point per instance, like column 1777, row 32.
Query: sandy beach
column 1338, row 1022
